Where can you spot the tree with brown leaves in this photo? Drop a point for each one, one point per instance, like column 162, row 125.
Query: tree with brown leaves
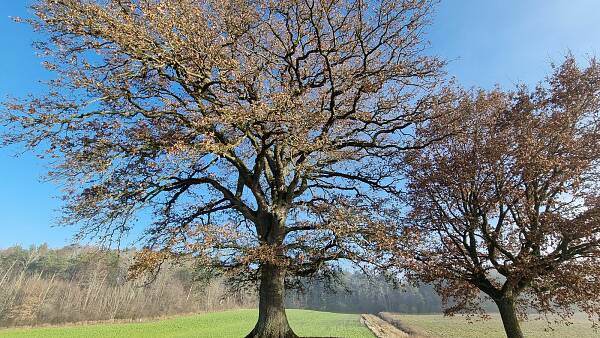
column 509, row 205
column 257, row 131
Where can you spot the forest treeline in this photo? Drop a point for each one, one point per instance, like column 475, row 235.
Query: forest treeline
column 359, row 293
column 41, row 285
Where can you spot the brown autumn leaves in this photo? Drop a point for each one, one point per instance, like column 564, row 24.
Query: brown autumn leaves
column 250, row 129
column 509, row 204
column 292, row 134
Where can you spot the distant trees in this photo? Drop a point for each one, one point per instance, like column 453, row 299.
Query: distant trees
column 258, row 132
column 40, row 285
column 359, row 293
column 510, row 204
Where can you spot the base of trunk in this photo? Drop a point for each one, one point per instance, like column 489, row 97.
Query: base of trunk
column 263, row 334
column 272, row 323
column 272, row 320
column 509, row 318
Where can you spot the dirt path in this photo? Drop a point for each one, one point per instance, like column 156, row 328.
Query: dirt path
column 388, row 325
column 381, row 328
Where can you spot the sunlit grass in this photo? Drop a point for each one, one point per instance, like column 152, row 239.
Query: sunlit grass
column 226, row 324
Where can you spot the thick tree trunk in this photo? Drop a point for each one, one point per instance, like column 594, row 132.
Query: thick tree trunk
column 506, row 306
column 272, row 321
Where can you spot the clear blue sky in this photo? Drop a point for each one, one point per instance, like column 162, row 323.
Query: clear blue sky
column 488, row 42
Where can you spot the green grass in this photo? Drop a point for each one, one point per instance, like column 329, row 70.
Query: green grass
column 227, row 324
column 459, row 327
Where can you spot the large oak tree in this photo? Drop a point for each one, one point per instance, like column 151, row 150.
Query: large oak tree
column 257, row 131
column 509, row 205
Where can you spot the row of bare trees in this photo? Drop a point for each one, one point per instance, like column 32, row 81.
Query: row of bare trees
column 41, row 286
column 275, row 139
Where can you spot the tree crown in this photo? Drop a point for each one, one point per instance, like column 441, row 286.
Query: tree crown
column 248, row 127
column 509, row 205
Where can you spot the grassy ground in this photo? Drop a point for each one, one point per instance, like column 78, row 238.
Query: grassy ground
column 459, row 327
column 227, row 324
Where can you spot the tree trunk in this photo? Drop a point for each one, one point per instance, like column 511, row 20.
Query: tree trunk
column 506, row 306
column 272, row 321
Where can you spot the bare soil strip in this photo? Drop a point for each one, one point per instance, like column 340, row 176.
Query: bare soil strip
column 381, row 328
column 410, row 331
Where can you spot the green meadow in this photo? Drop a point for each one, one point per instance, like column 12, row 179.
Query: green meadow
column 226, row 324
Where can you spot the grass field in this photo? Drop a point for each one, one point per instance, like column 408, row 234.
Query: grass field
column 227, row 324
column 459, row 327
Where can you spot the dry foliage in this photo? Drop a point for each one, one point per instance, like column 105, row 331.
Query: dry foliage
column 510, row 204
column 35, row 296
column 250, row 128
column 253, row 129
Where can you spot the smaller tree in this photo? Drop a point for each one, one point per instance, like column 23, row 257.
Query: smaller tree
column 509, row 205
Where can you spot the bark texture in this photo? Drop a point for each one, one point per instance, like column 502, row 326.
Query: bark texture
column 272, row 320
column 506, row 306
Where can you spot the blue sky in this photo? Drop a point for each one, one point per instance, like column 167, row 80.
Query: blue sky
column 486, row 41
